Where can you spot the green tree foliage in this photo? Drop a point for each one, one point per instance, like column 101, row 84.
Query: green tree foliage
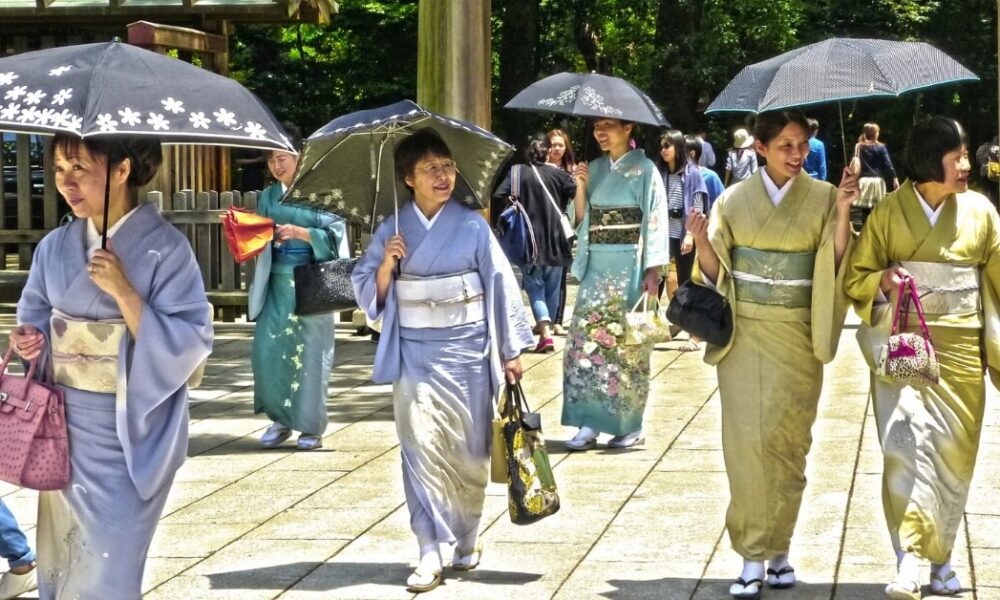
column 309, row 74
column 683, row 52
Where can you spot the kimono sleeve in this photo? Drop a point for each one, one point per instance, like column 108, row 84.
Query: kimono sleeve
column 990, row 291
column 868, row 258
column 720, row 236
column 174, row 338
column 33, row 307
column 656, row 242
column 328, row 236
column 508, row 322
column 829, row 300
column 363, row 276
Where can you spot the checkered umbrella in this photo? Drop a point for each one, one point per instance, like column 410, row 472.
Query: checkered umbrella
column 838, row 69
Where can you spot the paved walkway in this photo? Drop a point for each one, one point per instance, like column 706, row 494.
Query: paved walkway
column 243, row 522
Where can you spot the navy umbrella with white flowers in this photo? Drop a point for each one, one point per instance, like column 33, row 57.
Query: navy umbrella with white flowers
column 589, row 95
column 111, row 89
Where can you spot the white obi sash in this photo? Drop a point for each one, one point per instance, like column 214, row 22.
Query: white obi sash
column 86, row 353
column 433, row 302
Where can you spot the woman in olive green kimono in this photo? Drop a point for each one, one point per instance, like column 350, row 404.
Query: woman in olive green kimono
column 948, row 239
column 773, row 246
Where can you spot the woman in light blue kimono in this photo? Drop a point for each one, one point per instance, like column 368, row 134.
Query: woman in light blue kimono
column 453, row 328
column 621, row 207
column 140, row 310
column 292, row 355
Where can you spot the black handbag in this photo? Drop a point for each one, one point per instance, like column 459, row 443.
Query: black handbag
column 702, row 312
column 325, row 287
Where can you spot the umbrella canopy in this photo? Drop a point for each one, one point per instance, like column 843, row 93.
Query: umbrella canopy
column 347, row 166
column 838, row 69
column 115, row 89
column 589, row 95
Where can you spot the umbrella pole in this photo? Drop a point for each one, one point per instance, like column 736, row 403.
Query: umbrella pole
column 107, row 202
column 843, row 143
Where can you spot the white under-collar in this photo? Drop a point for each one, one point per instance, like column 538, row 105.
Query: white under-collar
column 427, row 223
column 931, row 213
column 94, row 236
column 775, row 193
column 614, row 163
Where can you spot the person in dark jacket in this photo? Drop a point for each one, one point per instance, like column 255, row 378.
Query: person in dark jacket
column 876, row 171
column 545, row 190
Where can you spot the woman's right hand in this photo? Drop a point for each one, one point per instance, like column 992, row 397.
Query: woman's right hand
column 27, row 341
column 395, row 250
column 891, row 278
column 581, row 174
column 697, row 225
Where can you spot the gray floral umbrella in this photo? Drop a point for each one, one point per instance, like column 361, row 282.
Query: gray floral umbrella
column 347, row 166
column 589, row 95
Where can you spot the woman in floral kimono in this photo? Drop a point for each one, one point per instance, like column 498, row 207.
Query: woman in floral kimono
column 621, row 208
column 453, row 329
column 948, row 239
column 124, row 329
column 292, row 355
column 773, row 246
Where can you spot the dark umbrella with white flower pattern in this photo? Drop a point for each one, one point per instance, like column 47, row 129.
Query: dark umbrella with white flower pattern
column 115, row 89
column 589, row 95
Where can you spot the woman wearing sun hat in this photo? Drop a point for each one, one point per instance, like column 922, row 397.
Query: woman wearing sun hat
column 741, row 160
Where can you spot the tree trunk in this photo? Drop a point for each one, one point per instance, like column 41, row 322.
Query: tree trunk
column 518, row 40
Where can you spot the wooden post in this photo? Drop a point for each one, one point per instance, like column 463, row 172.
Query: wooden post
column 453, row 60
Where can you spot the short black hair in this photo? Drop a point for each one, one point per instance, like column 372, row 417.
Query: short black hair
column 929, row 141
column 423, row 143
column 768, row 125
column 813, row 125
column 693, row 144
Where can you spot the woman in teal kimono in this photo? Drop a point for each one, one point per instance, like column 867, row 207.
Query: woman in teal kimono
column 621, row 207
column 292, row 355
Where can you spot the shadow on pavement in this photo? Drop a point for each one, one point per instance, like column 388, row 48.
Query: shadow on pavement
column 331, row 576
column 670, row 588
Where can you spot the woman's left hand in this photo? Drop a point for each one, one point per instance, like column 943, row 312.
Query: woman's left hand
column 289, row 232
column 513, row 371
column 849, row 190
column 108, row 274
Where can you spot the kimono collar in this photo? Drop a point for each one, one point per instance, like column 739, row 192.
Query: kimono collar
column 427, row 223
column 932, row 214
column 623, row 160
column 94, row 237
column 775, row 193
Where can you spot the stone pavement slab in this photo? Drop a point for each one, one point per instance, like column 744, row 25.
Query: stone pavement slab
column 243, row 522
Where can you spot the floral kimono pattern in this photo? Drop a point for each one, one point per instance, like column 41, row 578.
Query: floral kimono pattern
column 606, row 382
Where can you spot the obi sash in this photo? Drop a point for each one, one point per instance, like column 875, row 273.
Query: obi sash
column 86, row 353
column 433, row 302
column 947, row 289
column 777, row 278
column 615, row 225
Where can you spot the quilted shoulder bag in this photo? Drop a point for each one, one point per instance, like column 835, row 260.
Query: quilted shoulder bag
column 35, row 449
column 909, row 358
column 646, row 326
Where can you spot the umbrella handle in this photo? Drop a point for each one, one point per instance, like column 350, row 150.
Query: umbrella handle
column 107, row 203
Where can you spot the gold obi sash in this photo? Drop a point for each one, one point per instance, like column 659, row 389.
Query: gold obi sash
column 448, row 301
column 615, row 225
column 947, row 289
column 85, row 353
column 778, row 278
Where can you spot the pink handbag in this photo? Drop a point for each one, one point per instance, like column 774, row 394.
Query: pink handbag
column 34, row 447
column 910, row 357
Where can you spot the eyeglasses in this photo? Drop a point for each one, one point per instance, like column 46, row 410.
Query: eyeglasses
column 447, row 167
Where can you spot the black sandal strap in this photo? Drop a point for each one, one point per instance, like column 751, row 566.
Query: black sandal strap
column 782, row 571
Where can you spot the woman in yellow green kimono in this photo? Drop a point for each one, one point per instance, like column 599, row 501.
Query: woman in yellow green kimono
column 948, row 239
column 773, row 246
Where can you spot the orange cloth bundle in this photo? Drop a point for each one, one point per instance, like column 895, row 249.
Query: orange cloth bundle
column 247, row 233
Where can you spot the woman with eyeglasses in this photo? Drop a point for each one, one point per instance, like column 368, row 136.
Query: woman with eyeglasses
column 621, row 209
column 453, row 329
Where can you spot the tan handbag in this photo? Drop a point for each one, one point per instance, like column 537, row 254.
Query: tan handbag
column 646, row 326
